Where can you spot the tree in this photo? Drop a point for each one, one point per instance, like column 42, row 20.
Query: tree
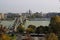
column 32, row 26
column 30, row 30
column 4, row 37
column 3, row 29
column 20, row 28
column 46, row 29
column 39, row 29
column 55, row 24
column 52, row 36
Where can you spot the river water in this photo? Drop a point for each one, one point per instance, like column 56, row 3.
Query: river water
column 7, row 23
column 27, row 23
column 36, row 23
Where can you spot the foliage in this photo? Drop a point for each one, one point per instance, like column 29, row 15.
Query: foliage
column 4, row 37
column 13, row 37
column 30, row 30
column 39, row 29
column 7, row 37
column 20, row 28
column 55, row 24
column 46, row 29
column 32, row 26
column 52, row 36
column 3, row 29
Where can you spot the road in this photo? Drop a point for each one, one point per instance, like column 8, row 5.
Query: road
column 20, row 37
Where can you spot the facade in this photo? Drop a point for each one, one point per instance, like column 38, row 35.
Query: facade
column 38, row 15
column 25, row 14
column 1, row 16
column 11, row 16
column 8, row 16
column 5, row 16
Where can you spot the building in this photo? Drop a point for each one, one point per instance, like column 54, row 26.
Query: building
column 38, row 15
column 8, row 16
column 51, row 14
column 5, row 16
column 1, row 16
column 11, row 16
column 25, row 14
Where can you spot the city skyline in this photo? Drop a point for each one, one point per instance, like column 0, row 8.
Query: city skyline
column 20, row 6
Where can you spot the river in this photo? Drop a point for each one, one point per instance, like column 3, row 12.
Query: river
column 27, row 23
column 36, row 23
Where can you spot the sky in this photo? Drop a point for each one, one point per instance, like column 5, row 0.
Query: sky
column 20, row 6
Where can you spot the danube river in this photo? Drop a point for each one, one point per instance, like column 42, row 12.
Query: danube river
column 27, row 23
column 36, row 23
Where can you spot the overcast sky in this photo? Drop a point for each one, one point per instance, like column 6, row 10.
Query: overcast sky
column 20, row 6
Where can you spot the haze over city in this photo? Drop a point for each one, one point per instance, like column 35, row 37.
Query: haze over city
column 19, row 6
